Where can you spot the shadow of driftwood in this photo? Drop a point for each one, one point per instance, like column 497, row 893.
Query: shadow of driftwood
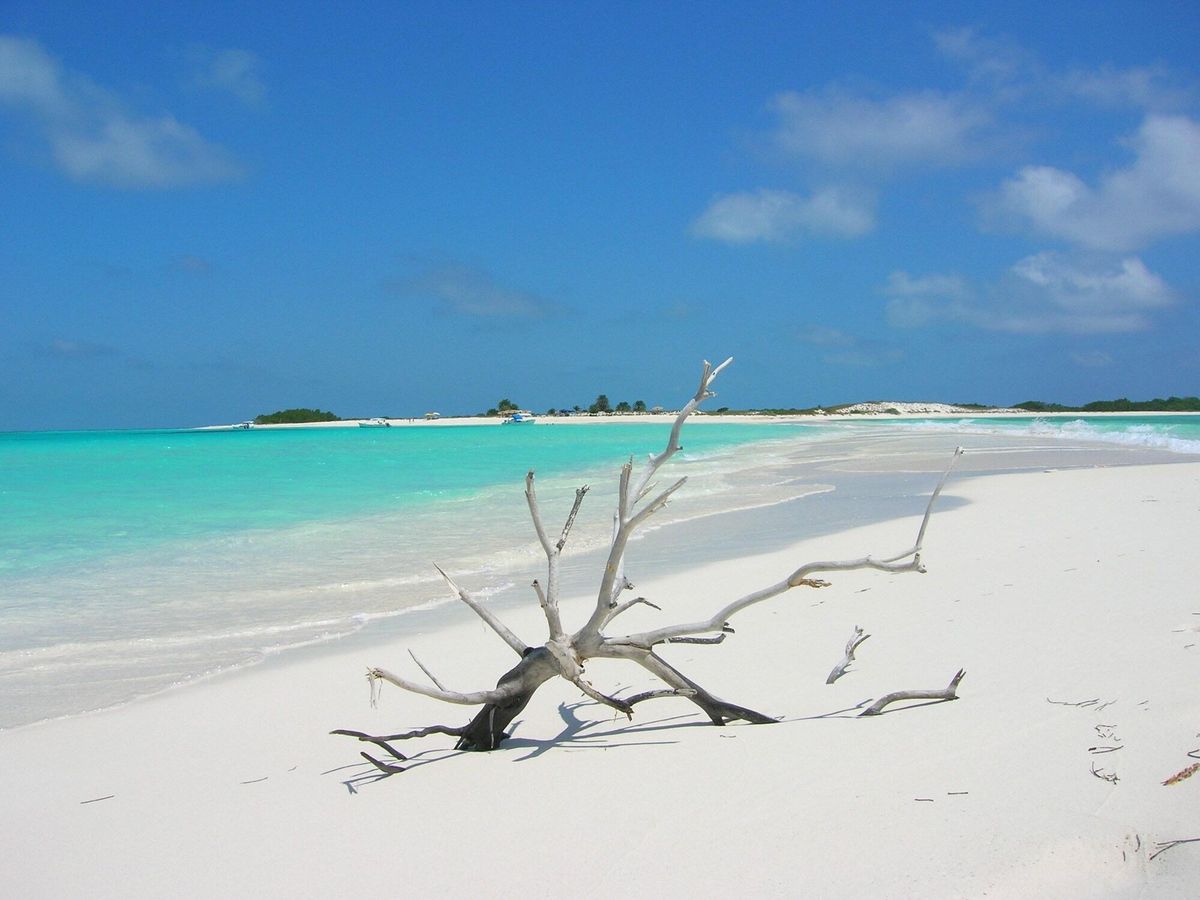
column 577, row 734
column 855, row 712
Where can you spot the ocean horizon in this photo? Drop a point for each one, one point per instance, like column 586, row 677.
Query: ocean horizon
column 136, row 561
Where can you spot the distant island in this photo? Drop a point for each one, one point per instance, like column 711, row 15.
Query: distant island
column 602, row 407
column 1171, row 404
column 295, row 417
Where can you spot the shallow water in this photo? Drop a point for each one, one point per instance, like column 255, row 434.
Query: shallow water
column 137, row 562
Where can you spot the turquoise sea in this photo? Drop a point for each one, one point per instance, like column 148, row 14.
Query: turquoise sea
column 131, row 562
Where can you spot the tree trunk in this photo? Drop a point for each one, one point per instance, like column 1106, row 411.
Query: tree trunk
column 486, row 730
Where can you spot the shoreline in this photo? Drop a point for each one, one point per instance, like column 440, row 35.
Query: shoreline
column 700, row 418
column 819, row 487
column 1090, row 597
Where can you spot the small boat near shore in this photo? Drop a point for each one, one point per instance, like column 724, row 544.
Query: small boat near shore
column 521, row 417
column 375, row 423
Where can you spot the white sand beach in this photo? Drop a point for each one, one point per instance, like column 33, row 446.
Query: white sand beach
column 1070, row 598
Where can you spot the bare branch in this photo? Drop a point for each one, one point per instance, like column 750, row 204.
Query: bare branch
column 707, row 376
column 486, row 614
column 655, row 505
column 580, row 493
column 800, row 578
column 617, row 610
column 947, row 694
column 1164, row 846
column 535, row 513
column 451, row 730
column 477, row 698
column 378, row 741
column 661, row 692
column 385, row 768
column 550, row 609
column 856, row 637
column 549, row 598
column 428, row 674
column 565, row 656
column 622, row 706
column 958, row 451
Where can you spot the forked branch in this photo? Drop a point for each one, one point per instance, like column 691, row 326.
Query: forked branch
column 908, row 561
column 857, row 636
column 564, row 655
column 947, row 693
column 486, row 614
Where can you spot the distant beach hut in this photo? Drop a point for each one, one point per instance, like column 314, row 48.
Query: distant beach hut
column 433, row 415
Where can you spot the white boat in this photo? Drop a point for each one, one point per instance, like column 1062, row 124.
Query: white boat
column 521, row 417
column 375, row 423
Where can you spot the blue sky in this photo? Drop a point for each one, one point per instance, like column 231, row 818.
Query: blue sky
column 215, row 210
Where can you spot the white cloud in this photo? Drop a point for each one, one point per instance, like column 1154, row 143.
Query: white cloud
column 1013, row 73
column 1142, row 87
column 987, row 59
column 902, row 284
column 124, row 152
column 469, row 292
column 235, row 71
column 90, row 135
column 779, row 216
column 1043, row 293
column 846, row 130
column 1156, row 196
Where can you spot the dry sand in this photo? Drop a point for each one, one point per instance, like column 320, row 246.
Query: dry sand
column 1077, row 587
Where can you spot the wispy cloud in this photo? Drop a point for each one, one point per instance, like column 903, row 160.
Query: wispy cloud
column 1007, row 72
column 60, row 348
column 237, row 72
column 467, row 291
column 839, row 348
column 780, row 216
column 824, row 336
column 92, row 137
column 847, row 130
column 987, row 60
column 1044, row 293
column 1157, row 195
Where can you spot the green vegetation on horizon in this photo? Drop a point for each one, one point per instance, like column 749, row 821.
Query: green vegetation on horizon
column 1171, row 404
column 295, row 417
column 602, row 405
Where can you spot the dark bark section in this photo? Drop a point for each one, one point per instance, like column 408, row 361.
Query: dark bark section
column 719, row 711
column 486, row 730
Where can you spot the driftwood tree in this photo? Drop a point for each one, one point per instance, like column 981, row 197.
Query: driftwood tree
column 565, row 654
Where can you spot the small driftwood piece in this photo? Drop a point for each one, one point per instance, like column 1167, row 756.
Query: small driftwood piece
column 856, row 637
column 1164, row 846
column 565, row 653
column 1183, row 774
column 948, row 693
column 1105, row 775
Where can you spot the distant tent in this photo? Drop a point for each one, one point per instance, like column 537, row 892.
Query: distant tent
column 433, row 415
